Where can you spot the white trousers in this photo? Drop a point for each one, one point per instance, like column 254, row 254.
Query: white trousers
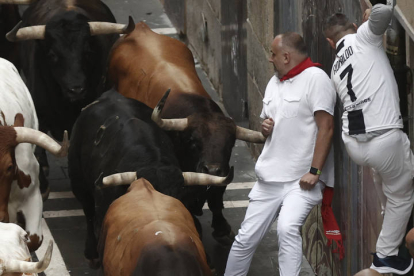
column 390, row 156
column 266, row 199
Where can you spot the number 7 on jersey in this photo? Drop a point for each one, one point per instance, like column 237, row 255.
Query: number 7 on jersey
column 349, row 70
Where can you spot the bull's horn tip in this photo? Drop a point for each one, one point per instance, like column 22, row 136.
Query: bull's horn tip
column 105, row 181
column 230, row 176
column 44, row 263
column 131, row 25
column 11, row 36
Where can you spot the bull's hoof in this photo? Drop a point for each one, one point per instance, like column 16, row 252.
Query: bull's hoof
column 225, row 240
column 94, row 263
column 45, row 194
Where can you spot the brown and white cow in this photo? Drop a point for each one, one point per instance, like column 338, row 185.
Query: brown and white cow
column 143, row 65
column 148, row 233
column 14, row 254
column 20, row 199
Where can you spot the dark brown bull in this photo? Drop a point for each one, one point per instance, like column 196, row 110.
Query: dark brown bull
column 143, row 65
column 147, row 233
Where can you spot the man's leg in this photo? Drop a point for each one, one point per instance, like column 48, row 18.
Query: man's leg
column 379, row 189
column 295, row 208
column 392, row 159
column 265, row 200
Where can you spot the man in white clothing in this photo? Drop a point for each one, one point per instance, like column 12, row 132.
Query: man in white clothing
column 372, row 123
column 298, row 109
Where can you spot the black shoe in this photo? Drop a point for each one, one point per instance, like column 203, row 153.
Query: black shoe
column 391, row 264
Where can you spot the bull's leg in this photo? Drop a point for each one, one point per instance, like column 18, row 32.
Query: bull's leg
column 200, row 233
column 222, row 231
column 44, row 184
column 88, row 203
column 91, row 252
column 41, row 157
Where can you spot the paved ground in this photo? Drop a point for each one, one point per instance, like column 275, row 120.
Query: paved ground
column 64, row 220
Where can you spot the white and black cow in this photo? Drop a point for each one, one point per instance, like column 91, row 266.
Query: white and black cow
column 20, row 199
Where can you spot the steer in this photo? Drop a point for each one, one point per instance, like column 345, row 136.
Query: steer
column 14, row 254
column 63, row 56
column 116, row 134
column 20, row 199
column 147, row 233
column 143, row 65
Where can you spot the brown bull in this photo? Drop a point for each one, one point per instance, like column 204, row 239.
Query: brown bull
column 143, row 65
column 147, row 233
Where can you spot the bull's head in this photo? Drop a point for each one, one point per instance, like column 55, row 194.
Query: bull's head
column 10, row 137
column 72, row 54
column 14, row 254
column 208, row 137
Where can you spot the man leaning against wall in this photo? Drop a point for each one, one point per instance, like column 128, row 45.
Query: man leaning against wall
column 298, row 109
column 372, row 123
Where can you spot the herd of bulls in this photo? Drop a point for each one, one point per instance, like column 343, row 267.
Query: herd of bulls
column 142, row 161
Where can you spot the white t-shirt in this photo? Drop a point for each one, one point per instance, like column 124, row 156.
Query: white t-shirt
column 288, row 152
column 365, row 82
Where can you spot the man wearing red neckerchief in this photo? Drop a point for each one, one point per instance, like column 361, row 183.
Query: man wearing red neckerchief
column 296, row 161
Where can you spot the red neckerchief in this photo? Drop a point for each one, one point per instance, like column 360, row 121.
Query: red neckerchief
column 299, row 68
column 330, row 225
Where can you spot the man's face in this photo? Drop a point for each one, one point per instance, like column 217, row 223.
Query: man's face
column 277, row 57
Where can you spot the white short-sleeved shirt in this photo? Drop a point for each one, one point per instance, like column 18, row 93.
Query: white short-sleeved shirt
column 365, row 83
column 288, row 152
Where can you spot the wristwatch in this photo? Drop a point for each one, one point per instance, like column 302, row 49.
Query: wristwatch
column 315, row 171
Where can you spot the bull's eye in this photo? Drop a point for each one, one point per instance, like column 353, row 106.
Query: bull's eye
column 10, row 169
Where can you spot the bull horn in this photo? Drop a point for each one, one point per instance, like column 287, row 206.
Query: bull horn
column 249, row 135
column 101, row 28
column 124, row 178
column 190, row 179
column 29, row 135
column 17, row 2
column 26, row 33
column 203, row 179
column 29, row 267
column 167, row 124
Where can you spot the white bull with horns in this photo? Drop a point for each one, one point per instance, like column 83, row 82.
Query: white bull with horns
column 14, row 254
column 20, row 199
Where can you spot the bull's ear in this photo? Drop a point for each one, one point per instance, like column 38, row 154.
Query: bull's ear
column 23, row 180
column 18, row 120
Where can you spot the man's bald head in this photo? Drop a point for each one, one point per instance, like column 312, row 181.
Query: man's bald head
column 294, row 42
column 337, row 26
column 287, row 51
column 367, row 272
column 409, row 242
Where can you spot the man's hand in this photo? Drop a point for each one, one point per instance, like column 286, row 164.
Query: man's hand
column 267, row 127
column 366, row 15
column 308, row 181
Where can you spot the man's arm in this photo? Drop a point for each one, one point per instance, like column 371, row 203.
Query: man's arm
column 379, row 18
column 325, row 124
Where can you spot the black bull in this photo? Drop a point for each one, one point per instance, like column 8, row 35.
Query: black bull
column 63, row 60
column 114, row 135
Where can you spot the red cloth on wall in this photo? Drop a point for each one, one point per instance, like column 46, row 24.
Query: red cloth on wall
column 330, row 225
